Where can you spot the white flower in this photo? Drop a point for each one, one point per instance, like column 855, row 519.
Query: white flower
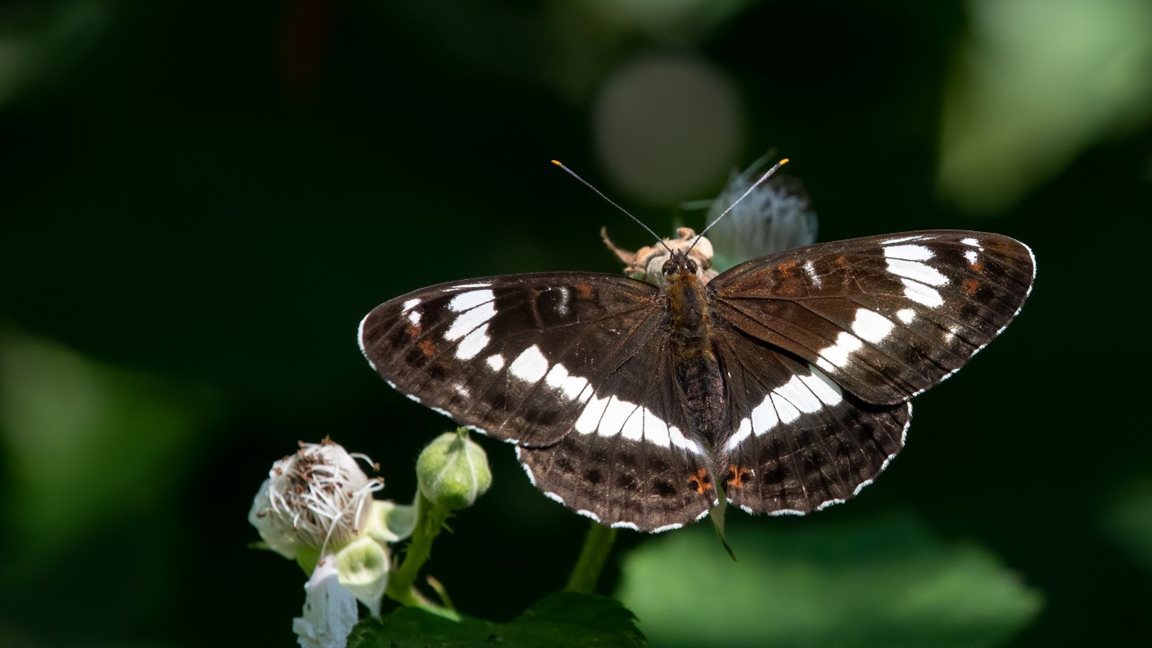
column 329, row 610
column 317, row 499
column 316, row 507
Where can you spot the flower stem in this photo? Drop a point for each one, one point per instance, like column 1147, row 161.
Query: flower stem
column 597, row 546
column 401, row 583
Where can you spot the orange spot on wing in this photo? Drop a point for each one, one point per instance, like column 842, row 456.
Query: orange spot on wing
column 427, row 348
column 970, row 287
column 737, row 476
column 412, row 330
column 584, row 290
column 701, row 481
column 787, row 267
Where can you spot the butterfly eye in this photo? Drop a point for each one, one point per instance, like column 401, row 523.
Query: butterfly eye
column 690, row 265
column 669, row 268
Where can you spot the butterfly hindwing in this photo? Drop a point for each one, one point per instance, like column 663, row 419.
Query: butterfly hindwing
column 631, row 460
column 886, row 317
column 797, row 442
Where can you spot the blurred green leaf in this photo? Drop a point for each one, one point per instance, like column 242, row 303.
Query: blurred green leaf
column 1037, row 83
column 563, row 619
column 1128, row 521
column 37, row 40
column 86, row 444
column 885, row 582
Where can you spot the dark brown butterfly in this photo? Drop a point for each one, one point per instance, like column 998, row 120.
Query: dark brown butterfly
column 782, row 384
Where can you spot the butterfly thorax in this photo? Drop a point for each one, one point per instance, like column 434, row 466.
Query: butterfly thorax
column 688, row 316
column 690, row 332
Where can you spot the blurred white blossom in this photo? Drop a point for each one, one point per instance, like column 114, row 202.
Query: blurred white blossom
column 777, row 215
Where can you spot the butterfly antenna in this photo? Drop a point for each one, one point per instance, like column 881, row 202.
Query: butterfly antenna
column 613, row 203
column 763, row 177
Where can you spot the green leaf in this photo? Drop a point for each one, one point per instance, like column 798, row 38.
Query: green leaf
column 1021, row 103
column 563, row 619
column 88, row 444
column 1127, row 520
column 884, row 582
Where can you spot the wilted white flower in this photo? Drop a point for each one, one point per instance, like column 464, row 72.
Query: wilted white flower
column 317, row 499
column 316, row 507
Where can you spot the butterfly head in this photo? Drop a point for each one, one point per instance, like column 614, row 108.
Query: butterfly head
column 658, row 264
column 680, row 266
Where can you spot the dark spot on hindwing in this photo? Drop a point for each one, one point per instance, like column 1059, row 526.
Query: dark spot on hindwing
column 438, row 371
column 497, row 399
column 912, row 355
column 565, row 465
column 664, row 488
column 626, row 481
column 415, row 357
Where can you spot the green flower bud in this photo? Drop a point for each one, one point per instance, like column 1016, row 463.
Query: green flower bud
column 453, row 471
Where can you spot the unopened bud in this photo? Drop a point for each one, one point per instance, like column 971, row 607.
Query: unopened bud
column 453, row 471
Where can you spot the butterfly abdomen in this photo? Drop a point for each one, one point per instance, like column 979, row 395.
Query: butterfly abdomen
column 697, row 371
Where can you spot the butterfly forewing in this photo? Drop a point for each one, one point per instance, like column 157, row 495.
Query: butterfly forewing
column 566, row 366
column 518, row 356
column 885, row 316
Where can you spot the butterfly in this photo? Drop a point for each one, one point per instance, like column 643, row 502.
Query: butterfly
column 781, row 385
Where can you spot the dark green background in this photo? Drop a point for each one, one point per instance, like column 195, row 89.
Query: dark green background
column 208, row 196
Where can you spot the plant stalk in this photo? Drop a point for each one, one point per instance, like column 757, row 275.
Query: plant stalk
column 402, row 582
column 597, row 547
